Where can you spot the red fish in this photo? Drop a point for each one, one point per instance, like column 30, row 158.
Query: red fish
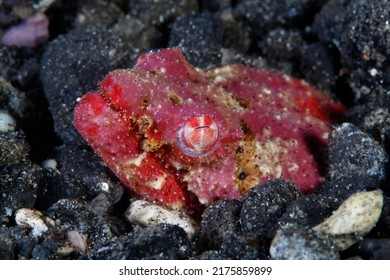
column 185, row 137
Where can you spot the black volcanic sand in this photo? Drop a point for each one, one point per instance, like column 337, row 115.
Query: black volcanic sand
column 340, row 46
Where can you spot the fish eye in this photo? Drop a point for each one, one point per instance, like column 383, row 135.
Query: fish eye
column 198, row 136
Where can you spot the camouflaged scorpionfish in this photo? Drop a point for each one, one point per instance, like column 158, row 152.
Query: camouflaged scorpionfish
column 185, row 137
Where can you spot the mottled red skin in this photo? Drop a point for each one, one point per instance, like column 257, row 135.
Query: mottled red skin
column 267, row 124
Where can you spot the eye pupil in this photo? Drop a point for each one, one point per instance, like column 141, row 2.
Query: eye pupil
column 198, row 135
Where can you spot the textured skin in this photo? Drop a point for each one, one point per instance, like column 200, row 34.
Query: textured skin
column 269, row 125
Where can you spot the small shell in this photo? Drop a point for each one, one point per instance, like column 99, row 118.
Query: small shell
column 198, row 136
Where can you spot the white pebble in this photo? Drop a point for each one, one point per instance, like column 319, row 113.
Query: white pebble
column 355, row 217
column 104, row 186
column 145, row 214
column 7, row 122
column 65, row 250
column 43, row 4
column 25, row 217
column 49, row 164
column 373, row 72
column 78, row 241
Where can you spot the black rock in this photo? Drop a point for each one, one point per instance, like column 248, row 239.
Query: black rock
column 309, row 210
column 109, row 242
column 112, row 250
column 264, row 204
column 343, row 185
column 293, row 242
column 8, row 15
column 50, row 245
column 22, row 97
column 13, row 148
column 28, row 73
column 162, row 241
column 328, row 23
column 84, row 57
column 282, row 45
column 25, row 246
column 244, row 246
column 100, row 231
column 200, row 37
column 104, row 231
column 19, row 183
column 44, row 250
column 161, row 12
column 12, row 99
column 71, row 214
column 382, row 228
column 374, row 118
column 84, row 167
column 54, row 186
column 40, row 253
column 352, row 150
column 382, row 254
column 209, row 255
column 218, row 220
column 139, row 33
column 356, row 163
column 235, row 36
column 20, row 66
column 375, row 249
column 97, row 11
column 215, row 6
column 6, row 245
column 267, row 14
column 9, row 61
column 318, row 67
column 365, row 47
column 100, row 204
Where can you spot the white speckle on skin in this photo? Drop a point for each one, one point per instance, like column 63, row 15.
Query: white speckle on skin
column 137, row 161
column 222, row 74
column 158, row 183
column 219, row 79
column 325, row 136
column 269, row 152
column 266, row 91
column 294, row 167
column 287, row 78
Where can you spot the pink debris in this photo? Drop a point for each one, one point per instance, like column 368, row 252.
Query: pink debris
column 185, row 137
column 30, row 33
